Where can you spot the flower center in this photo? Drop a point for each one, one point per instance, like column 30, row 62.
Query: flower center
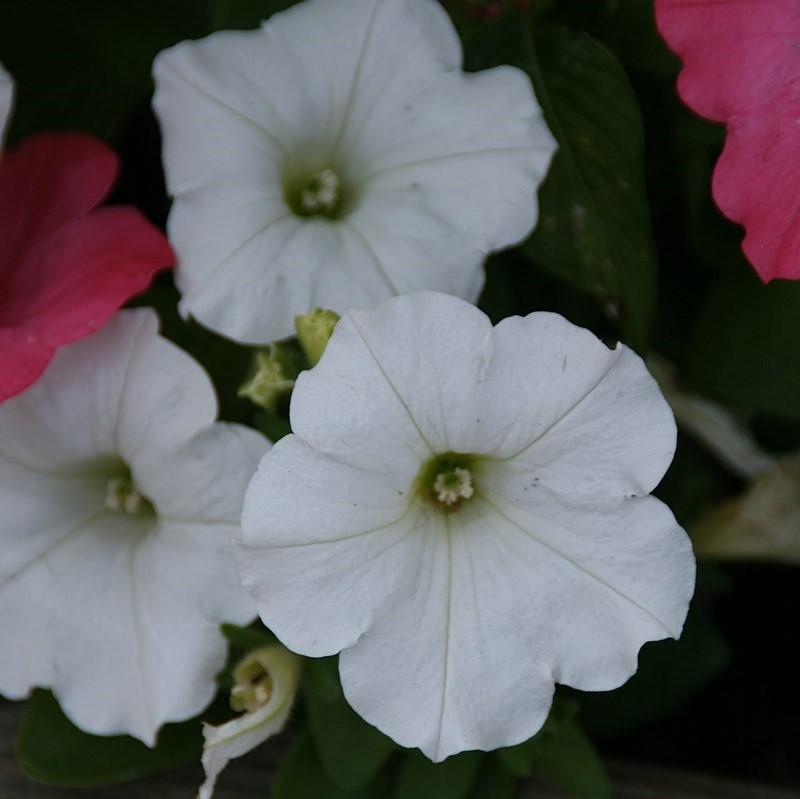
column 123, row 496
column 320, row 194
column 453, row 485
column 252, row 687
column 447, row 480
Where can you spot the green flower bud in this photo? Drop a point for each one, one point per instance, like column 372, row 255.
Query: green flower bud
column 313, row 331
column 272, row 379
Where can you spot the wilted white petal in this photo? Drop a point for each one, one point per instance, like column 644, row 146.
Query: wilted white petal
column 762, row 524
column 338, row 156
column 522, row 548
column 120, row 496
column 6, row 99
column 241, row 735
column 712, row 424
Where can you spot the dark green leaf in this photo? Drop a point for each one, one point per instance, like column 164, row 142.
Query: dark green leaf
column 272, row 425
column 625, row 26
column 568, row 760
column 51, row 749
column 518, row 760
column 594, row 226
column 493, row 782
column 243, row 14
column 301, row 776
column 419, row 778
column 351, row 750
column 246, row 639
column 84, row 65
column 690, row 485
column 746, row 347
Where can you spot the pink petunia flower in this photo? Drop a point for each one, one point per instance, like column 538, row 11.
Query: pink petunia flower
column 742, row 67
column 65, row 266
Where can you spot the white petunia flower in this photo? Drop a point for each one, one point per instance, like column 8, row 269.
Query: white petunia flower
column 463, row 512
column 265, row 685
column 339, row 156
column 119, row 495
column 6, row 99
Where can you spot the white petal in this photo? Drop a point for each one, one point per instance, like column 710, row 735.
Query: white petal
column 396, row 383
column 121, row 620
column 468, row 660
column 205, row 478
column 463, row 179
column 6, row 99
column 242, row 734
column 109, row 395
column 452, row 663
column 41, row 509
column 441, row 167
column 288, row 265
column 166, row 396
column 585, row 418
column 323, row 546
column 633, row 553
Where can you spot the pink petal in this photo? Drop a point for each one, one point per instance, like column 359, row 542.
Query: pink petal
column 74, row 279
column 64, row 268
column 742, row 67
column 22, row 361
column 49, row 179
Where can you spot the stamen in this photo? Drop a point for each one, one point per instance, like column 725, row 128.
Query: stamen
column 321, row 193
column 122, row 496
column 252, row 686
column 454, row 485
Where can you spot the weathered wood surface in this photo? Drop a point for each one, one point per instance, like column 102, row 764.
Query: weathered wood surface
column 248, row 778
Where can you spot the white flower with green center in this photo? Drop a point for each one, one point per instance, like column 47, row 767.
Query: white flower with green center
column 463, row 512
column 120, row 494
column 339, row 156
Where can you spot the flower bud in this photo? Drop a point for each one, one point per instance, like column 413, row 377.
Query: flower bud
column 276, row 366
column 313, row 331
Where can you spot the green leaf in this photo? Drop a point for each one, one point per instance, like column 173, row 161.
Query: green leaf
column 493, row 782
column 567, row 759
column 518, row 760
column 628, row 28
column 301, row 776
column 669, row 672
column 243, row 14
column 560, row 754
column 246, row 639
column 85, row 65
column 351, row 750
column 419, row 778
column 594, row 228
column 51, row 749
column 272, row 425
column 746, row 345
